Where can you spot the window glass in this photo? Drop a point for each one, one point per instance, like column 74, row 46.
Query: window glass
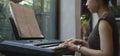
column 5, row 27
column 46, row 15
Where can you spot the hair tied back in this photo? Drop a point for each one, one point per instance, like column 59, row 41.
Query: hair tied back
column 114, row 3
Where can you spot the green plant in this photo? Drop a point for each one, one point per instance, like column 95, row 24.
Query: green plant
column 5, row 27
column 115, row 11
column 2, row 54
column 27, row 3
column 83, row 19
column 1, row 38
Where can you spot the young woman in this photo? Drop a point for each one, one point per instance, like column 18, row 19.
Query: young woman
column 103, row 40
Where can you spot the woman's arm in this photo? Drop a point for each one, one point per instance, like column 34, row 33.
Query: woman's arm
column 75, row 42
column 106, row 42
column 79, row 41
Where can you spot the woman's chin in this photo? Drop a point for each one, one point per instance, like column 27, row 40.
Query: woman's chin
column 93, row 11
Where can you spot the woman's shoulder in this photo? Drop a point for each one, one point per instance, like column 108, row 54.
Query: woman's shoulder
column 107, row 16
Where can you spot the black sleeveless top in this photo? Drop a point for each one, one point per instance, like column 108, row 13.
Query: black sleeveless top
column 94, row 38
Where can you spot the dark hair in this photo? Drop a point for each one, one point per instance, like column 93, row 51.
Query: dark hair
column 113, row 2
column 16, row 1
column 105, row 2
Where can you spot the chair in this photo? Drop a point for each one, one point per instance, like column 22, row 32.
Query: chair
column 25, row 25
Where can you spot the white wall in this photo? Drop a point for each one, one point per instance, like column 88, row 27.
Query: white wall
column 67, row 19
column 95, row 19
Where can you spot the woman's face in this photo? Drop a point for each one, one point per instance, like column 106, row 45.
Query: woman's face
column 92, row 6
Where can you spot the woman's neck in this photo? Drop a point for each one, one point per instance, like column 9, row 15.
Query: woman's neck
column 103, row 10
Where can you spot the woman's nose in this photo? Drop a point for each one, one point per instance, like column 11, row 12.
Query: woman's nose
column 86, row 5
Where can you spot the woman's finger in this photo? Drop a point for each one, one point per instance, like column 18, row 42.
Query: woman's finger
column 63, row 45
column 68, row 40
column 72, row 46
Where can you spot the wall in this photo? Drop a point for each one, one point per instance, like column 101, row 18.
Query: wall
column 67, row 19
column 95, row 19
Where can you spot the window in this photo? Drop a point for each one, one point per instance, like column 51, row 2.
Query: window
column 46, row 14
column 5, row 27
column 116, row 13
column 45, row 11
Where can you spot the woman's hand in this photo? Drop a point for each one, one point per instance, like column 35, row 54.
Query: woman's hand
column 79, row 41
column 72, row 44
column 65, row 44
column 69, row 44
